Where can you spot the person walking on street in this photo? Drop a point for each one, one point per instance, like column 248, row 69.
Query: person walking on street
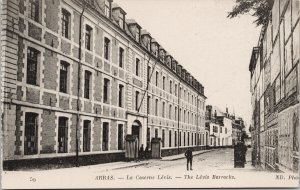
column 189, row 158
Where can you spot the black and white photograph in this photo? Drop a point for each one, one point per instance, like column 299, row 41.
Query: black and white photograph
column 149, row 94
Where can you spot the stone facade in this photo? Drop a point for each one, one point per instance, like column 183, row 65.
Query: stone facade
column 83, row 103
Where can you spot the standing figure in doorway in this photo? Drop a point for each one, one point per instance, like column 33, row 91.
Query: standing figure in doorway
column 141, row 152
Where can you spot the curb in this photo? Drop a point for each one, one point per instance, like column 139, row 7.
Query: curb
column 172, row 159
column 131, row 166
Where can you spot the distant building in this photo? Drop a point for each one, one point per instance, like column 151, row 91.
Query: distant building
column 223, row 130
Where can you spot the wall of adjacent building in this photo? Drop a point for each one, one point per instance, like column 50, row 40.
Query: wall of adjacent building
column 274, row 87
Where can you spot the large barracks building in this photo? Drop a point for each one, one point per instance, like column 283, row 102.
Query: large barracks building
column 78, row 77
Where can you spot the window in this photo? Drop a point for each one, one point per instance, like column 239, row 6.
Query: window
column 87, row 79
column 86, row 136
column 170, row 138
column 192, row 139
column 137, row 66
column 120, row 137
column 121, row 57
column 107, row 8
column 156, row 79
column 31, row 133
column 188, row 138
column 148, row 104
column 65, row 21
column 88, row 37
column 175, row 113
column 148, row 137
column 163, row 138
column 121, row 95
column 32, row 56
column 106, row 91
column 199, row 139
column 163, row 109
column 170, row 112
column 148, row 73
column 164, row 82
column 175, row 89
column 137, row 35
column 63, row 80
column 195, row 139
column 62, row 134
column 156, row 107
column 137, row 101
column 34, row 10
column 105, row 136
column 106, row 48
column 175, row 141
column 180, row 114
column 179, row 138
column 184, row 115
column 183, row 138
column 121, row 20
column 171, row 87
column 156, row 133
column 220, row 129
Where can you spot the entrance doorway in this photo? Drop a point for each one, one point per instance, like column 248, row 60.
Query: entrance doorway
column 136, row 130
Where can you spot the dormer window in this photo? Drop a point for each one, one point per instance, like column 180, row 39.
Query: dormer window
column 121, row 20
column 137, row 35
column 107, row 8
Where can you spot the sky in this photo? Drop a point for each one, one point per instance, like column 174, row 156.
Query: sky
column 216, row 50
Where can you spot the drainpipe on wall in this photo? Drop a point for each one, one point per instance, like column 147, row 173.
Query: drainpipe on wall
column 178, row 115
column 78, row 84
column 197, row 125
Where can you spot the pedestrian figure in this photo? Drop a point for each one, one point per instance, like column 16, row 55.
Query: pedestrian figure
column 141, row 152
column 147, row 152
column 189, row 158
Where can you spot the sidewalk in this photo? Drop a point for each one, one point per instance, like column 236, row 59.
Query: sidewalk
column 181, row 156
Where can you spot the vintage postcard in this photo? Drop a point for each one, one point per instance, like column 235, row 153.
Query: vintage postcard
column 149, row 94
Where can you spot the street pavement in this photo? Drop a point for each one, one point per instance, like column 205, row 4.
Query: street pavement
column 209, row 167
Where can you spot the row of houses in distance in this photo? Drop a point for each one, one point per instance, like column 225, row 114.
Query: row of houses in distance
column 222, row 129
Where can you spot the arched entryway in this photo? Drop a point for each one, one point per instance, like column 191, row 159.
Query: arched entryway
column 136, row 129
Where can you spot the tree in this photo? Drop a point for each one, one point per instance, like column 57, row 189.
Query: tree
column 260, row 8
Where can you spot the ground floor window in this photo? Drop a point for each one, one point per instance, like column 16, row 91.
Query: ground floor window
column 105, row 136
column 62, row 134
column 31, row 133
column 175, row 135
column 183, row 138
column 170, row 138
column 180, row 138
column 163, row 138
column 120, row 137
column 148, row 137
column 86, row 136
